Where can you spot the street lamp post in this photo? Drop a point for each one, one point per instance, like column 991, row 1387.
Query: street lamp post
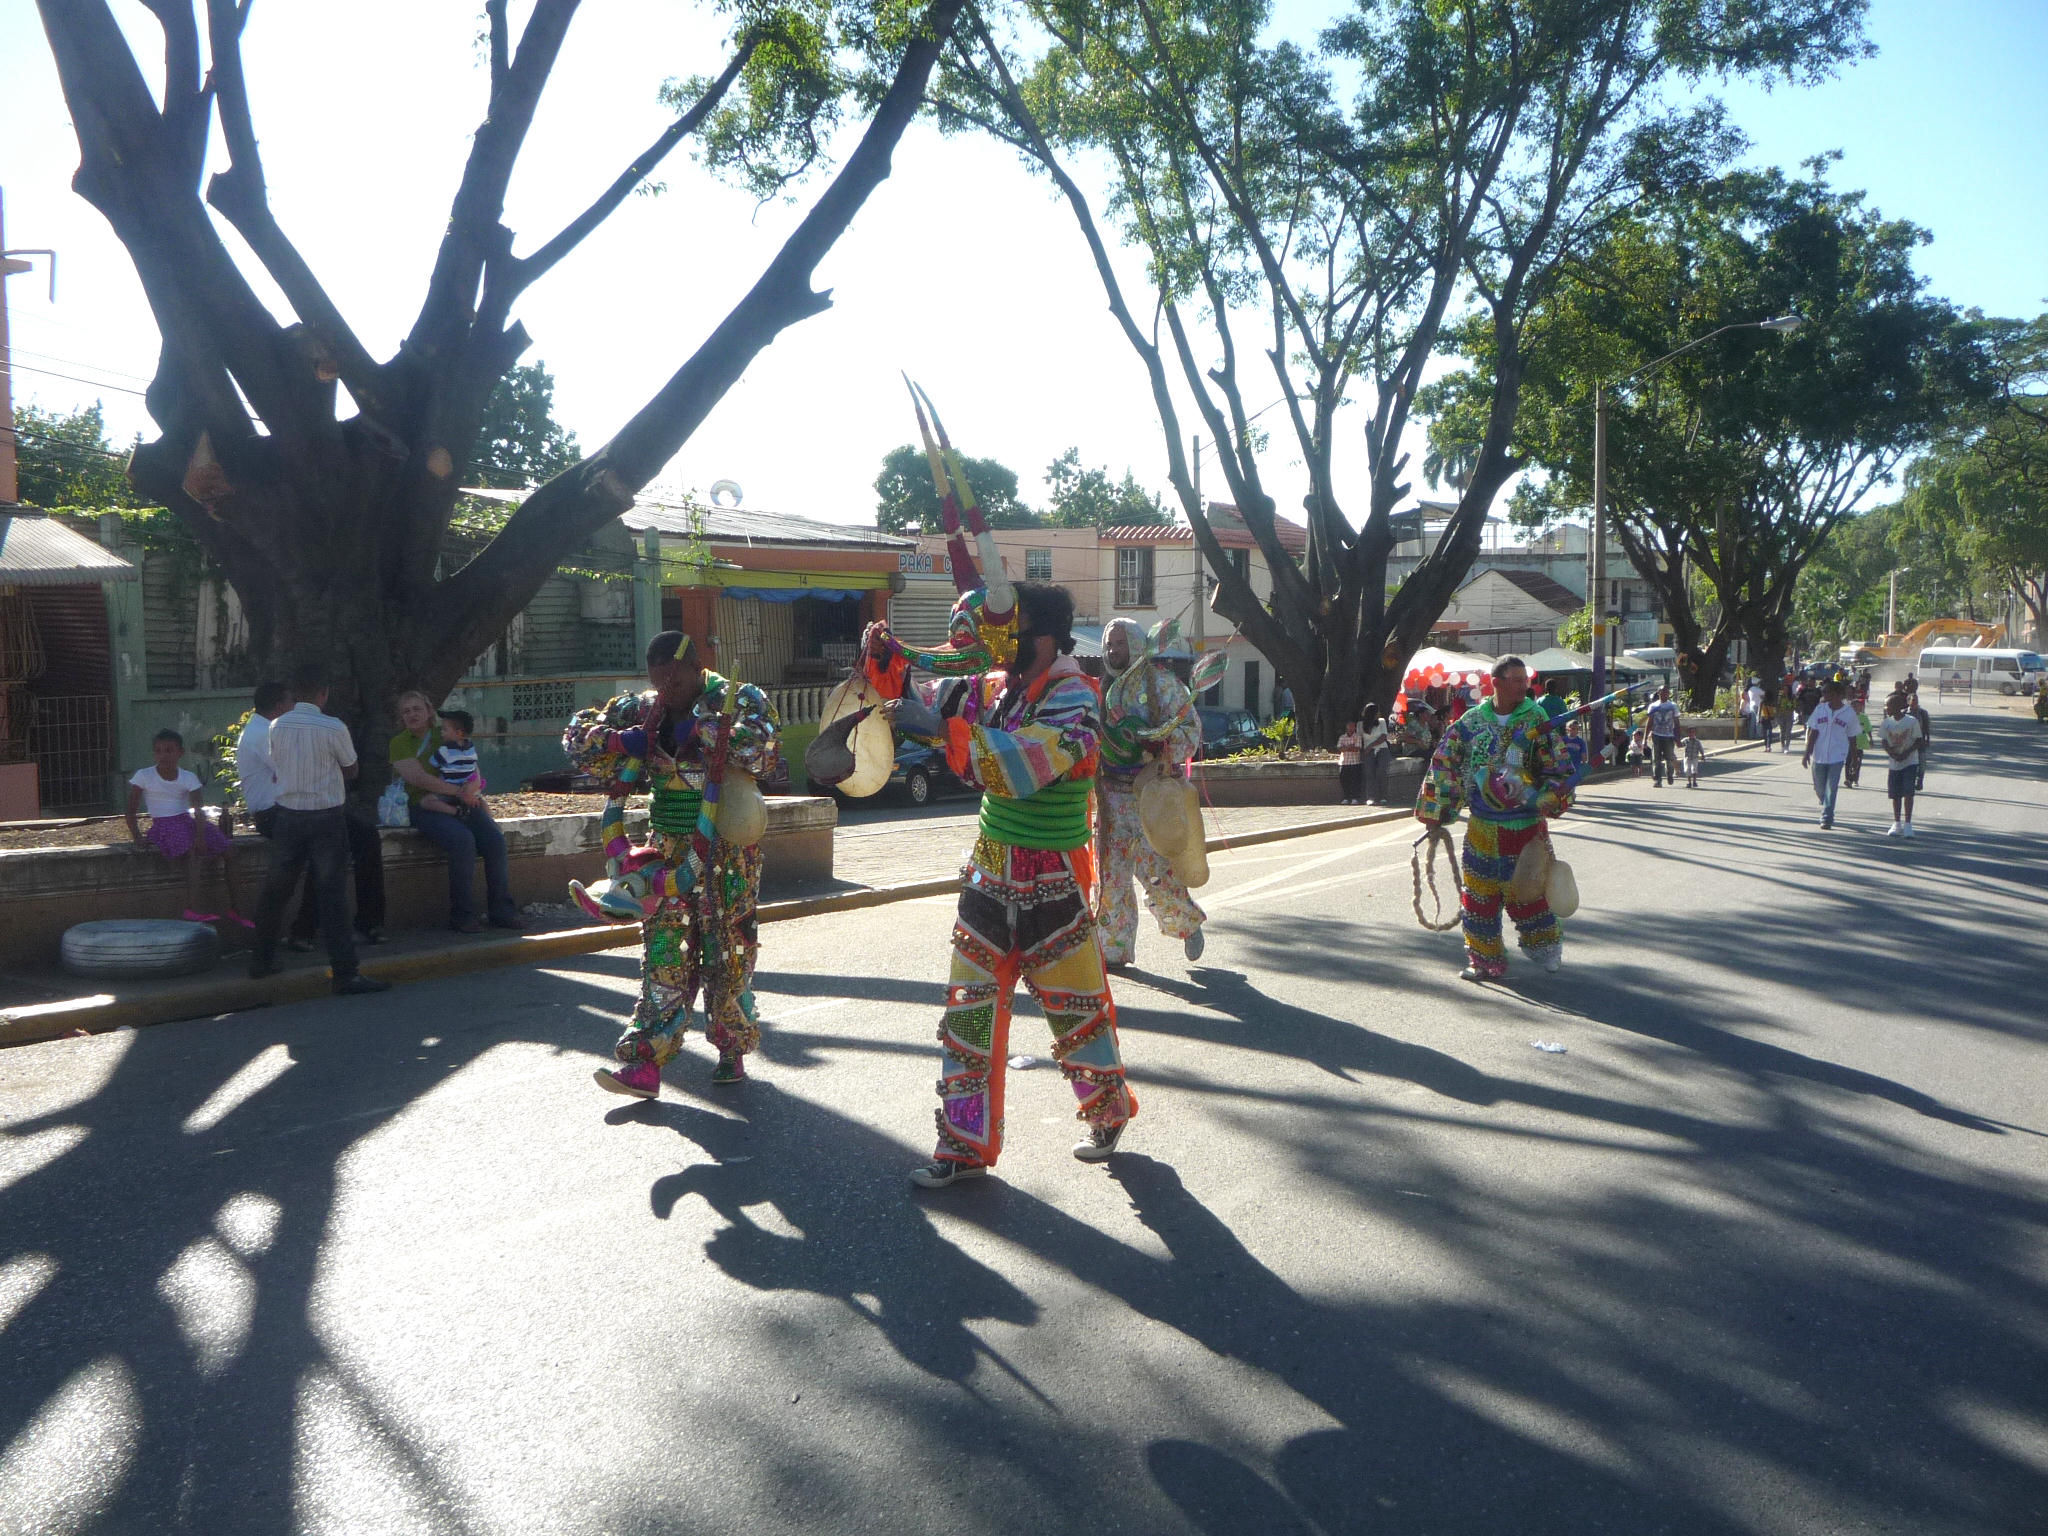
column 1784, row 325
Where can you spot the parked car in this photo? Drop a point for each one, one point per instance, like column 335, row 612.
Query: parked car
column 922, row 775
column 1228, row 731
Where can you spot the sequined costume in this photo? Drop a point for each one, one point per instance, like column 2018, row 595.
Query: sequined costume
column 1512, row 773
column 1024, row 912
column 1121, row 850
column 698, row 892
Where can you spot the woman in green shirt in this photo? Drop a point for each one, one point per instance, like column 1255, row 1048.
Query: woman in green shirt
column 463, row 837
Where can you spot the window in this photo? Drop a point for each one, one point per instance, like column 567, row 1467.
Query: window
column 1038, row 565
column 1241, row 562
column 1134, row 576
column 1251, row 689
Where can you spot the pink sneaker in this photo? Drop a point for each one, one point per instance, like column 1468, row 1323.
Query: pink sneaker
column 642, row 1080
column 192, row 916
column 236, row 917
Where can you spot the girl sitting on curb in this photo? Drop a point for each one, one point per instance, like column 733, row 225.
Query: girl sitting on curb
column 177, row 829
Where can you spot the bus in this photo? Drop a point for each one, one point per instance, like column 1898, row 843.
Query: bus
column 1968, row 666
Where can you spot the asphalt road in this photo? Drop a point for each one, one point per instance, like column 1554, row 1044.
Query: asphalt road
column 1760, row 1251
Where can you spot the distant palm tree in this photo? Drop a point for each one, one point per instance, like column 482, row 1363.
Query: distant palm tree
column 1450, row 464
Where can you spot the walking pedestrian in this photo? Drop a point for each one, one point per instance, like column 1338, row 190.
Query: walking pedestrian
column 1693, row 752
column 1664, row 739
column 1926, row 730
column 1900, row 735
column 1752, row 710
column 1829, row 730
column 313, row 759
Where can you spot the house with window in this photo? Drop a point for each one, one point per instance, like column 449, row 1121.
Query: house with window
column 1502, row 611
column 1063, row 556
column 1149, row 574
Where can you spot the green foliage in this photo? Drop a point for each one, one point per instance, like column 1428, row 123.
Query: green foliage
column 907, row 503
column 1576, row 632
column 1279, row 731
column 1086, row 498
column 519, row 442
column 1735, row 460
column 217, row 766
column 65, row 460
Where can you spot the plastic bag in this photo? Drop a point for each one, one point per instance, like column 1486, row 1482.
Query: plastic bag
column 393, row 809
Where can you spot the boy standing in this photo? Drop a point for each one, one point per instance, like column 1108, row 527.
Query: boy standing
column 1693, row 753
column 1900, row 734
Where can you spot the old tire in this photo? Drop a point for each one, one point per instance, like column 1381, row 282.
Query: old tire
column 132, row 948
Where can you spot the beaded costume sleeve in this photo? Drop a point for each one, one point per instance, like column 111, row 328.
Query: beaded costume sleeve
column 1057, row 739
column 1443, row 787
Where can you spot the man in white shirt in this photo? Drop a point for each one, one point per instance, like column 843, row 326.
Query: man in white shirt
column 1830, row 729
column 252, row 755
column 313, row 759
column 1752, row 707
column 1664, row 739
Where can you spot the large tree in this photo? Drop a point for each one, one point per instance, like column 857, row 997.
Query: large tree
column 1320, row 235
column 1984, row 487
column 906, row 501
column 519, row 442
column 327, row 512
column 1734, row 462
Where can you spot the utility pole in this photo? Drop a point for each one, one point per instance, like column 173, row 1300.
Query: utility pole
column 10, row 266
column 1596, row 588
column 1891, row 606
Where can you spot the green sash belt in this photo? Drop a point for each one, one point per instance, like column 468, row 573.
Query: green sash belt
column 673, row 812
column 1054, row 818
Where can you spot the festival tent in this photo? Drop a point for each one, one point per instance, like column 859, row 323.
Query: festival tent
column 1557, row 661
column 1435, row 667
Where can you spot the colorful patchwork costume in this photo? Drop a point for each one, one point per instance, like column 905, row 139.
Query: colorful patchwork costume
column 1512, row 773
column 696, row 892
column 1121, row 849
column 1023, row 912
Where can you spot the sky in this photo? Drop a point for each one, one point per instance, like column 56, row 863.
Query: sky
column 963, row 269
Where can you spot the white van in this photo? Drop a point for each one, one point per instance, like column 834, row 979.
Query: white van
column 2009, row 672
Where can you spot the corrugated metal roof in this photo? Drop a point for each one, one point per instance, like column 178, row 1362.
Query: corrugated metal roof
column 736, row 525
column 1225, row 521
column 37, row 552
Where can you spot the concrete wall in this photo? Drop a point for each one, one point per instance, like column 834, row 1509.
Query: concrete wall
column 1270, row 781
column 45, row 891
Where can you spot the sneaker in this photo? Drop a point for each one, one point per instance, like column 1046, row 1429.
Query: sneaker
column 1484, row 970
column 299, row 946
column 371, row 936
column 1827, row 823
column 359, row 986
column 235, row 917
column 1894, row 830
column 642, row 1080
column 942, row 1171
column 1100, row 1141
column 1553, row 959
column 193, row 915
column 1193, row 945
column 1909, row 830
column 730, row 1069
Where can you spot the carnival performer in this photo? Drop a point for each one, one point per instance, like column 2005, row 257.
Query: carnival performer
column 1507, row 763
column 1028, row 736
column 1160, row 728
column 694, row 891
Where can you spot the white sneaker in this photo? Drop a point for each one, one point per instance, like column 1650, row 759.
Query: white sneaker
column 1894, row 830
column 1909, row 830
column 941, row 1172
column 1100, row 1141
column 1553, row 959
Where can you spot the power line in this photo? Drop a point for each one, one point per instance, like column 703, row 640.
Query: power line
column 119, row 389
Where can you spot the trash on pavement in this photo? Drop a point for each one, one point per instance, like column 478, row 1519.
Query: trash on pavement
column 1024, row 1063
column 1554, row 1047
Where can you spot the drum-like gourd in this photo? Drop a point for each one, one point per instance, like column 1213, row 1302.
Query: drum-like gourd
column 871, row 745
column 1170, row 816
column 742, row 814
column 1561, row 890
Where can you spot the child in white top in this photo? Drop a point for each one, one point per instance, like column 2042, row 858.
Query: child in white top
column 177, row 830
column 1693, row 752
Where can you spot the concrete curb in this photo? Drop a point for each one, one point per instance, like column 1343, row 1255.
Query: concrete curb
column 104, row 1012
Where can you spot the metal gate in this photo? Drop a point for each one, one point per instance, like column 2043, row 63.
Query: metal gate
column 72, row 743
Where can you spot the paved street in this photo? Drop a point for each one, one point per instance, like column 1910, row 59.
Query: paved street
column 1761, row 1251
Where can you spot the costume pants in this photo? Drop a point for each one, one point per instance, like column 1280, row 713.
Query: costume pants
column 703, row 941
column 1124, row 852
column 1023, row 915
column 1489, row 863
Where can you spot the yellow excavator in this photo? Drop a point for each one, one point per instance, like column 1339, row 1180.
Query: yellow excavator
column 1907, row 647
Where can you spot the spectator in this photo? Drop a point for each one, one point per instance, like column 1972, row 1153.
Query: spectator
column 177, row 828
column 1350, row 763
column 1829, row 730
column 1767, row 720
column 1752, row 710
column 1283, row 709
column 454, row 762
column 1852, row 774
column 1554, row 702
column 1926, row 732
column 1664, row 738
column 313, row 758
column 1638, row 749
column 1693, row 753
column 1900, row 735
column 1378, row 746
column 365, row 848
column 462, row 839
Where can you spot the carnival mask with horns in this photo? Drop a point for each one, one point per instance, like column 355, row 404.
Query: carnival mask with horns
column 982, row 631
